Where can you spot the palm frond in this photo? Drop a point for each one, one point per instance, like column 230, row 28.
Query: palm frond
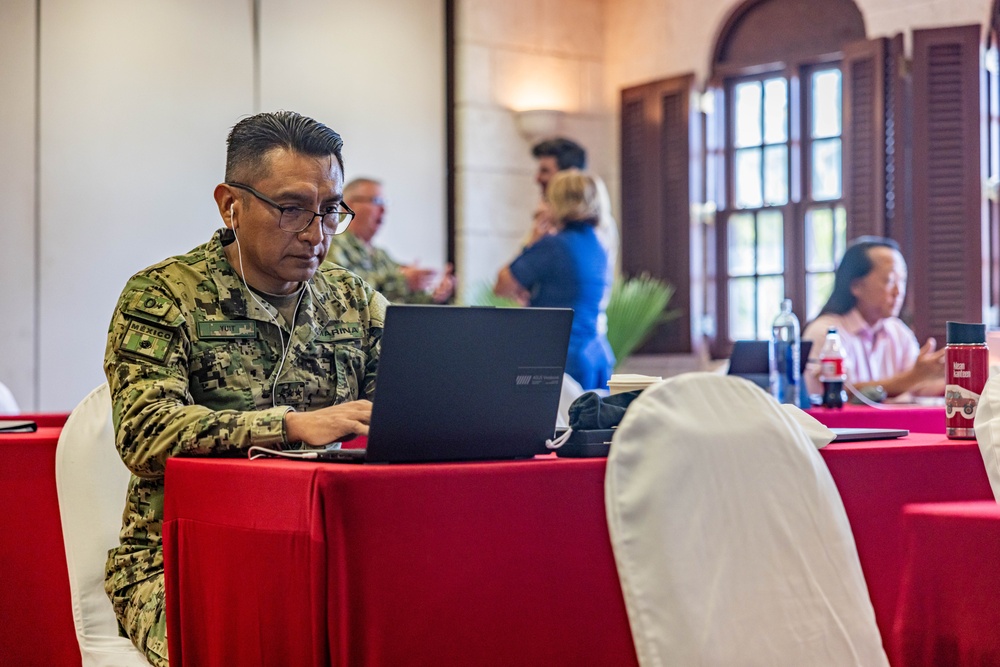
column 636, row 306
column 483, row 295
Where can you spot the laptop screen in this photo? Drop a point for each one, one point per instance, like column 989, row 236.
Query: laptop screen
column 464, row 383
column 750, row 360
column 751, row 356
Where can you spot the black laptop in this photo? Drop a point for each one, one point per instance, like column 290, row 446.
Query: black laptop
column 465, row 383
column 749, row 359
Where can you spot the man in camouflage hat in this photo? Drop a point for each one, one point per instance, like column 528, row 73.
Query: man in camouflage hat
column 246, row 340
column 355, row 251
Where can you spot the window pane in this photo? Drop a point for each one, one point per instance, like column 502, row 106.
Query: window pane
column 826, row 169
column 770, row 292
column 818, row 289
column 741, row 309
column 826, row 103
column 775, row 111
column 748, row 110
column 748, row 186
column 819, row 240
column 776, row 175
column 741, row 244
column 770, row 246
column 839, row 232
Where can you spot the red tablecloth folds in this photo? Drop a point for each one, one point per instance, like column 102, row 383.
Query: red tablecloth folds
column 916, row 419
column 42, row 419
column 478, row 563
column 877, row 479
column 488, row 563
column 498, row 563
column 35, row 608
column 949, row 609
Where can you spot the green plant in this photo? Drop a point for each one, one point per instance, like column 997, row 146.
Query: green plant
column 636, row 306
column 483, row 296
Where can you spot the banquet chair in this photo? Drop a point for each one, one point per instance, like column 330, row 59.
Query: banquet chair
column 92, row 482
column 730, row 538
column 987, row 425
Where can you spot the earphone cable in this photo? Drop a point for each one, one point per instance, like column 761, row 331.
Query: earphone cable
column 284, row 346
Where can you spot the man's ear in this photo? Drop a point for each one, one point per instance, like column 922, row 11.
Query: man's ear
column 226, row 200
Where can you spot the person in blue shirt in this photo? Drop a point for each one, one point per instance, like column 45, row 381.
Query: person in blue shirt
column 568, row 269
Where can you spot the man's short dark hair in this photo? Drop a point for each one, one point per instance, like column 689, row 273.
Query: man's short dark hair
column 568, row 154
column 252, row 138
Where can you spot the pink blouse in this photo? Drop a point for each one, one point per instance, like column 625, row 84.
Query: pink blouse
column 871, row 353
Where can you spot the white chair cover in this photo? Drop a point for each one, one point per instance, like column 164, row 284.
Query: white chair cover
column 8, row 405
column 730, row 538
column 92, row 482
column 987, row 425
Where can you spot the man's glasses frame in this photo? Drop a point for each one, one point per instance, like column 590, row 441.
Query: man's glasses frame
column 293, row 218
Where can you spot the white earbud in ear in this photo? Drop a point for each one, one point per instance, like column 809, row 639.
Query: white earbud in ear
column 232, row 220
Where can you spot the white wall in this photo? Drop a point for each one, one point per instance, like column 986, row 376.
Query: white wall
column 374, row 71
column 515, row 55
column 17, row 198
column 135, row 101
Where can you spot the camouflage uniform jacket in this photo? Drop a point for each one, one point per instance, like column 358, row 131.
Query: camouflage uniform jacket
column 375, row 266
column 190, row 362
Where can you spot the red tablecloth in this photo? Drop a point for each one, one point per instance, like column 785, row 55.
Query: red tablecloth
column 499, row 563
column 949, row 611
column 43, row 419
column 915, row 418
column 489, row 563
column 36, row 618
column 876, row 479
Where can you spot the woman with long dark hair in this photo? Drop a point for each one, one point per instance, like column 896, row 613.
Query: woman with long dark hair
column 879, row 349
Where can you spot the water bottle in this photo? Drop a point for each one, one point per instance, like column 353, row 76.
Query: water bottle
column 831, row 370
column 783, row 355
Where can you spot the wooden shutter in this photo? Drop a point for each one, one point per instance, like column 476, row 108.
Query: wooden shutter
column 659, row 173
column 864, row 137
column 874, row 164
column 950, row 242
column 991, row 121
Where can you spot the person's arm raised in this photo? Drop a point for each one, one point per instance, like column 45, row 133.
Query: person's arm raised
column 508, row 286
column 928, row 368
column 446, row 286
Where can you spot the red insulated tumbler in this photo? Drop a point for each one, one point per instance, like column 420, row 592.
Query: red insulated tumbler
column 966, row 369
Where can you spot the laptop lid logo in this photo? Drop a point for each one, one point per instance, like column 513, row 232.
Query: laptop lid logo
column 531, row 377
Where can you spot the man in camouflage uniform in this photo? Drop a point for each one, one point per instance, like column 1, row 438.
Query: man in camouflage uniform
column 354, row 250
column 246, row 340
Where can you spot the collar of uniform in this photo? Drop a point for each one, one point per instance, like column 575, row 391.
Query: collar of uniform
column 233, row 295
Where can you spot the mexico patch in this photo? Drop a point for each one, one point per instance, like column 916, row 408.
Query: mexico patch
column 147, row 340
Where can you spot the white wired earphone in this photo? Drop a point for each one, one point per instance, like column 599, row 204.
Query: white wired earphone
column 284, row 345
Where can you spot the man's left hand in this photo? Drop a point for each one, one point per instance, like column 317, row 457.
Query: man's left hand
column 446, row 286
column 329, row 424
column 417, row 279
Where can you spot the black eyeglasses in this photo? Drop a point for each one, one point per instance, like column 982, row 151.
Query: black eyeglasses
column 295, row 219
